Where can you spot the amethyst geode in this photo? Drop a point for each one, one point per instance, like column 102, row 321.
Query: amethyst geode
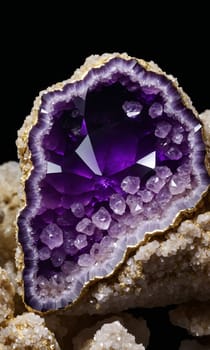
column 115, row 153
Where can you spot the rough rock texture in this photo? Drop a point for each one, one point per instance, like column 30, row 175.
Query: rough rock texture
column 27, row 332
column 193, row 345
column 111, row 336
column 205, row 118
column 195, row 317
column 7, row 293
column 9, row 202
column 116, row 329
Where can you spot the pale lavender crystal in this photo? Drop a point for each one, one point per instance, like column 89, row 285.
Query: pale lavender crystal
column 163, row 197
column 162, row 129
column 44, row 253
column 184, row 169
column 42, row 282
column 85, row 226
column 174, row 153
column 177, row 184
column 58, row 256
column 106, row 244
column 132, row 108
column 80, row 241
column 155, row 183
column 130, row 184
column 68, row 266
column 116, row 229
column 78, row 209
column 102, row 219
column 177, row 138
column 135, row 204
column 69, row 246
column 155, row 110
column 152, row 210
column 52, row 236
column 85, row 260
column 146, row 195
column 95, row 250
column 117, row 204
column 163, row 172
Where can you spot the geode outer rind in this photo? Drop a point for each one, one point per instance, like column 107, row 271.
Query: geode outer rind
column 32, row 164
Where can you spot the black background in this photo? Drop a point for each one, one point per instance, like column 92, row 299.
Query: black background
column 41, row 47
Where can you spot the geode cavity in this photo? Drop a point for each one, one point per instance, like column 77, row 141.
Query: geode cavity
column 112, row 154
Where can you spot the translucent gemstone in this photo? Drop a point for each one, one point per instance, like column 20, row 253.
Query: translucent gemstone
column 44, row 253
column 58, row 256
column 52, row 236
column 146, row 195
column 106, row 244
column 155, row 183
column 174, row 153
column 132, row 108
column 95, row 250
column 130, row 184
column 177, row 138
column 155, row 110
column 68, row 267
column 85, row 260
column 42, row 282
column 85, row 226
column 98, row 235
column 57, row 278
column 117, row 204
column 163, row 197
column 178, row 129
column 80, row 241
column 184, row 169
column 152, row 210
column 78, row 209
column 69, row 245
column 163, row 172
column 135, row 204
column 177, row 184
column 162, row 129
column 102, row 219
column 116, row 229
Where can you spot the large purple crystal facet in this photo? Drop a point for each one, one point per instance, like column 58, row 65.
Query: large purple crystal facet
column 113, row 158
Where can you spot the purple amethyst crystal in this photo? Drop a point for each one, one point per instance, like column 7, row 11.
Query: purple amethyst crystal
column 114, row 155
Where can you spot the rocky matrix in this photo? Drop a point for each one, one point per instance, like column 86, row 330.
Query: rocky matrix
column 115, row 154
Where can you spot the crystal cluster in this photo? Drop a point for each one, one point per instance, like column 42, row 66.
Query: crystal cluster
column 114, row 155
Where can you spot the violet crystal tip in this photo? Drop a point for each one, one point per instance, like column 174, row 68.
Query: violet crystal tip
column 114, row 154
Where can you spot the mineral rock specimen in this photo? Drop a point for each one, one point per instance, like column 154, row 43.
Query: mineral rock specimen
column 9, row 202
column 26, row 332
column 7, row 293
column 112, row 336
column 117, row 332
column 108, row 159
column 195, row 317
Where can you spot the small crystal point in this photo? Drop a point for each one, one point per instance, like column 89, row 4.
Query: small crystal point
column 102, row 219
column 117, row 204
column 132, row 108
column 52, row 236
column 130, row 184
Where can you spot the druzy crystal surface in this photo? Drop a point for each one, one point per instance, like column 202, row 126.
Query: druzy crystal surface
column 114, row 155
